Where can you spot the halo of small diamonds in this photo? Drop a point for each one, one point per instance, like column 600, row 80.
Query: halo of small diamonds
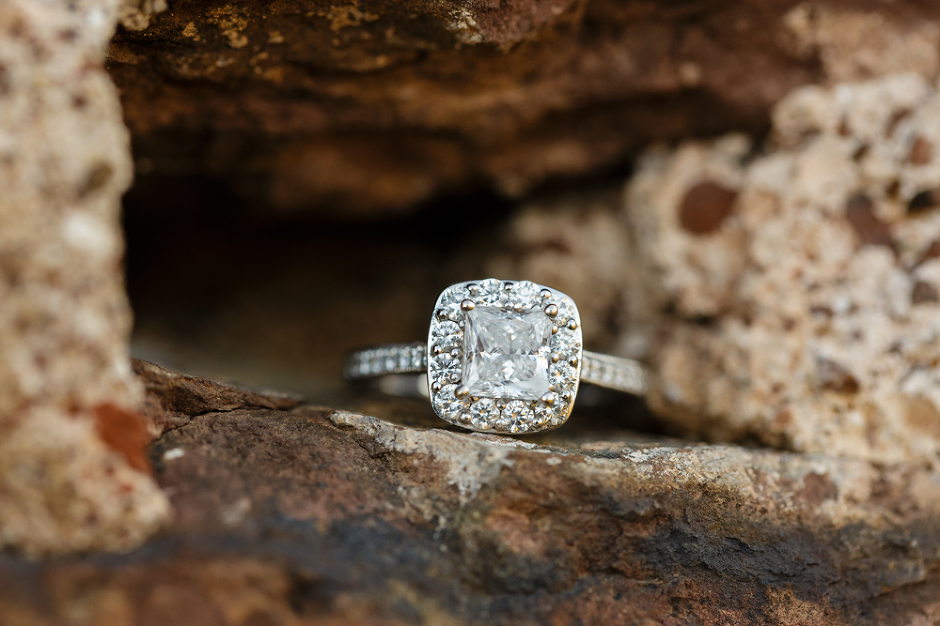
column 447, row 405
column 517, row 301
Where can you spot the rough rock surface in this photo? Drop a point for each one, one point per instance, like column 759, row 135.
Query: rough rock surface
column 73, row 468
column 802, row 282
column 373, row 105
column 293, row 514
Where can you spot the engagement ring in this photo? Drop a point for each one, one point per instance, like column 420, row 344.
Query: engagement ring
column 502, row 356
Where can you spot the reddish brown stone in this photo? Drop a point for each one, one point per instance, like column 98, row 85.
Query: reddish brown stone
column 921, row 151
column 173, row 398
column 870, row 229
column 705, row 206
column 124, row 432
column 835, row 377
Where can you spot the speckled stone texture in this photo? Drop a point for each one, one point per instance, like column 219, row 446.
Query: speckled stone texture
column 367, row 107
column 801, row 283
column 289, row 514
column 73, row 469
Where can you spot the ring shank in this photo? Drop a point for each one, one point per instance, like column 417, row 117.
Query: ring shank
column 603, row 370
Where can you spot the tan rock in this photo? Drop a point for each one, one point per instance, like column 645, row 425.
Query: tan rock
column 857, row 43
column 808, row 317
column 67, row 441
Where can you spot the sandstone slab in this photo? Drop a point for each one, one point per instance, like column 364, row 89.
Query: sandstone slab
column 292, row 514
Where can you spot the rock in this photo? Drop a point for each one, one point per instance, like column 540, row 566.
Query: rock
column 293, row 514
column 807, row 317
column 370, row 106
column 73, row 468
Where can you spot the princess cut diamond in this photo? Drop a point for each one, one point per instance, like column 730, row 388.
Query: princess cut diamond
column 506, row 353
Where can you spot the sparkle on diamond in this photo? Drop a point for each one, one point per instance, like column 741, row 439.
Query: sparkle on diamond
column 447, row 405
column 506, row 353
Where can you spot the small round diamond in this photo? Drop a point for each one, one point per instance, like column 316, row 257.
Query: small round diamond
column 448, row 305
column 561, row 377
column 447, row 405
column 523, row 295
column 515, row 416
column 489, row 292
column 447, row 335
column 566, row 342
column 483, row 413
column 544, row 414
column 444, row 366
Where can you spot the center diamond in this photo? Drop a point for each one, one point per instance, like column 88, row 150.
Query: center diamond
column 506, row 353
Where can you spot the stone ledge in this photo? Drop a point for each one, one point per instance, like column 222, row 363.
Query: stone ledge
column 293, row 514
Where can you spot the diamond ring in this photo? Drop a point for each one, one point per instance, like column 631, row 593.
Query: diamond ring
column 502, row 356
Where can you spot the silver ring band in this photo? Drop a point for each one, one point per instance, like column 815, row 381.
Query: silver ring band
column 603, row 370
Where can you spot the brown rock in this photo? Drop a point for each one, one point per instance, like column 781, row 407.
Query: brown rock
column 173, row 399
column 373, row 105
column 316, row 516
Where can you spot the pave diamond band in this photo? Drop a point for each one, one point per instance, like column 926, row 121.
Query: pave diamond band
column 502, row 356
column 395, row 358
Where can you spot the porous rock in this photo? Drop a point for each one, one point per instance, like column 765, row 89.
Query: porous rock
column 292, row 514
column 73, row 468
column 804, row 318
column 370, row 106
